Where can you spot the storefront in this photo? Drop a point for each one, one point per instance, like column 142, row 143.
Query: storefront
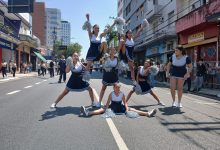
column 7, row 51
column 156, row 52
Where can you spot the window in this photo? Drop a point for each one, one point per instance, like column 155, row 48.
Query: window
column 170, row 18
column 1, row 19
column 170, row 46
column 155, row 2
column 128, row 9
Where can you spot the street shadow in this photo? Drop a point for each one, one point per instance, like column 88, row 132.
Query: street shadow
column 56, row 82
column 140, row 107
column 60, row 111
column 168, row 111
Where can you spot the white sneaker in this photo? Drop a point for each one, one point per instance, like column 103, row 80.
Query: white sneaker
column 84, row 111
column 179, row 105
column 161, row 103
column 99, row 104
column 134, row 82
column 152, row 112
column 174, row 104
column 53, row 105
column 94, row 104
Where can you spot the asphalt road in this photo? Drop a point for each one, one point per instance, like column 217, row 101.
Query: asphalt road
column 27, row 122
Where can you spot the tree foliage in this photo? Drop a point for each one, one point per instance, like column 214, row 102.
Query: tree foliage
column 72, row 48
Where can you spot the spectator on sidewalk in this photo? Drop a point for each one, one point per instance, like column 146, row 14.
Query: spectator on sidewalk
column 10, row 67
column 43, row 67
column 14, row 67
column 200, row 73
column 62, row 64
column 51, row 68
column 38, row 68
column 4, row 69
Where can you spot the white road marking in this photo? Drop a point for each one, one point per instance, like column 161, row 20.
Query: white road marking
column 118, row 139
column 13, row 92
column 28, row 86
column 38, row 83
column 44, row 80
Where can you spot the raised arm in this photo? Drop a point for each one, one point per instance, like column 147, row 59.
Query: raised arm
column 89, row 29
column 108, row 30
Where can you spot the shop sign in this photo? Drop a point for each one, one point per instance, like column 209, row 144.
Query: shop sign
column 7, row 44
column 196, row 37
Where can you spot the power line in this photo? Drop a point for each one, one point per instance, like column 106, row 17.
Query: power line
column 179, row 12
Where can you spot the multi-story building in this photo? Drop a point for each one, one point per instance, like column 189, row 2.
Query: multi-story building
column 158, row 39
column 197, row 29
column 65, row 33
column 120, row 8
column 38, row 17
column 53, row 26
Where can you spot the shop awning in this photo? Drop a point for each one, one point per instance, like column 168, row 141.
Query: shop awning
column 40, row 56
column 201, row 42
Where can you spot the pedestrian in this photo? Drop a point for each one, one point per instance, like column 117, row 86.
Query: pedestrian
column 43, row 67
column 10, row 67
column 14, row 67
column 39, row 69
column 94, row 53
column 189, row 83
column 4, row 69
column 75, row 82
column 110, row 73
column 200, row 73
column 143, row 72
column 58, row 68
column 179, row 61
column 51, row 69
column 62, row 64
column 117, row 103
column 126, row 48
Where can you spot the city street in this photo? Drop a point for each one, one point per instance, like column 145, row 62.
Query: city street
column 28, row 123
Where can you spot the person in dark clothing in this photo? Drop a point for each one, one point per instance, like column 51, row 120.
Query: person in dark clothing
column 62, row 64
column 14, row 67
column 201, row 70
column 4, row 69
column 51, row 69
column 189, row 83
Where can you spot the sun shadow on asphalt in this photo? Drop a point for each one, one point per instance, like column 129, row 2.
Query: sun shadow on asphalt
column 141, row 107
column 170, row 111
column 60, row 111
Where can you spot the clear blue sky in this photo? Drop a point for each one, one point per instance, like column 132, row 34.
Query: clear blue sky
column 74, row 11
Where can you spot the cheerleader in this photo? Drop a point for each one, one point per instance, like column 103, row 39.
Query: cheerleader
column 126, row 48
column 75, row 82
column 144, row 86
column 94, row 53
column 116, row 98
column 110, row 73
column 179, row 62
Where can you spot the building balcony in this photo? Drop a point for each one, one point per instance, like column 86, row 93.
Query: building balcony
column 197, row 16
column 28, row 40
column 145, row 40
column 154, row 12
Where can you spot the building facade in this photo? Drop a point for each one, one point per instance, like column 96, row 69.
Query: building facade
column 65, row 33
column 159, row 38
column 196, row 33
column 38, row 17
column 53, row 26
column 120, row 8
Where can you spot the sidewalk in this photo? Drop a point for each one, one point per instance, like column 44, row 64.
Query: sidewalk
column 203, row 91
column 17, row 76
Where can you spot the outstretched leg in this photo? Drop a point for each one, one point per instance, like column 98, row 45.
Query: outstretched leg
column 129, row 95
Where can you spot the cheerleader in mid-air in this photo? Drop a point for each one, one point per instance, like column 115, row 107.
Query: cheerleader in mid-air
column 143, row 87
column 126, row 48
column 110, row 72
column 94, row 53
column 75, row 82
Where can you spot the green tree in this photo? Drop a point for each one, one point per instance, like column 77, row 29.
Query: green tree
column 73, row 48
